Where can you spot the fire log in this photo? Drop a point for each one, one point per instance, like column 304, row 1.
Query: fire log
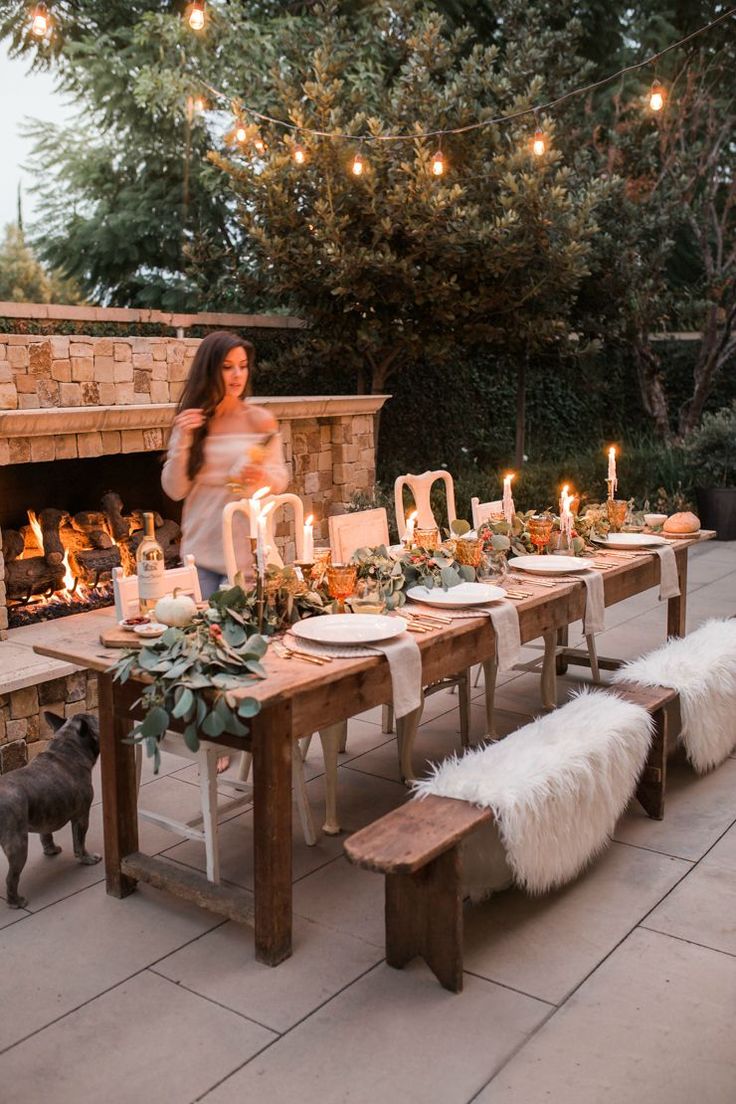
column 92, row 523
column 93, row 562
column 13, row 545
column 32, row 576
column 112, row 504
column 50, row 520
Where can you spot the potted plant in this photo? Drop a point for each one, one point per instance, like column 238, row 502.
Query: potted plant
column 711, row 455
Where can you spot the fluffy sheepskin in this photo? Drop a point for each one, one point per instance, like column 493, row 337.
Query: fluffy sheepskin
column 556, row 786
column 702, row 667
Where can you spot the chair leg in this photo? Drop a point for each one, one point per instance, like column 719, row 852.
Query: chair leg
column 478, row 674
column 490, row 670
column 302, row 801
column 343, row 737
column 549, row 672
column 387, row 719
column 138, row 766
column 208, row 757
column 305, row 745
column 463, row 701
column 594, row 668
column 331, row 737
column 246, row 760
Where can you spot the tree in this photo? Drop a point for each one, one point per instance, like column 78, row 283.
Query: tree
column 24, row 280
column 397, row 265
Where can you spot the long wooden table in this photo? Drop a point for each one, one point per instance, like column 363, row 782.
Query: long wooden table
column 297, row 699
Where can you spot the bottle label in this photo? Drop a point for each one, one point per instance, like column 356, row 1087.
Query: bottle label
column 150, row 579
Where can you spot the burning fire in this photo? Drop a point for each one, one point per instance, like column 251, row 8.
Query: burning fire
column 70, row 580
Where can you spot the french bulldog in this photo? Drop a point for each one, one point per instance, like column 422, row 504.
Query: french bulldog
column 42, row 796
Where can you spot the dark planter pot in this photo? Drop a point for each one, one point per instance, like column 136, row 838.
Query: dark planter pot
column 717, row 510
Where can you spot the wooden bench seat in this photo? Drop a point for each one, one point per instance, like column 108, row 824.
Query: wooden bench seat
column 417, row 847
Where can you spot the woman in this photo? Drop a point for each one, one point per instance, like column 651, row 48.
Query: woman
column 219, row 437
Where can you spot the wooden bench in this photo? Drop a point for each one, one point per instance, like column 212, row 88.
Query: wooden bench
column 417, row 847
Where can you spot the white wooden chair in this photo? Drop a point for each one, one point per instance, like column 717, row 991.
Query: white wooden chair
column 242, row 506
column 421, row 488
column 363, row 529
column 203, row 828
column 482, row 510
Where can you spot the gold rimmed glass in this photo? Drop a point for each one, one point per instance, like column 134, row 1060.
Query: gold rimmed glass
column 616, row 508
column 540, row 531
column 368, row 597
column 341, row 580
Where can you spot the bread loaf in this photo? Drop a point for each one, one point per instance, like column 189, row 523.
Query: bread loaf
column 682, row 523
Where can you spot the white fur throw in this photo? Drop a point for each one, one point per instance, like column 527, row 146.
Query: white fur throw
column 556, row 786
column 702, row 667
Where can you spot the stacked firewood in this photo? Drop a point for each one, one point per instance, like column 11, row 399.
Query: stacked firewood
column 96, row 542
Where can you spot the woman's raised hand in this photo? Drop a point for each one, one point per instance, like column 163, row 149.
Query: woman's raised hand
column 189, row 420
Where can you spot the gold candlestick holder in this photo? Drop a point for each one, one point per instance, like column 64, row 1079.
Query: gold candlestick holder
column 260, row 587
column 306, row 570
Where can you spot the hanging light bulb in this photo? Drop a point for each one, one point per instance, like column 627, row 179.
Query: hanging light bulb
column 656, row 96
column 40, row 24
column 241, row 134
column 539, row 144
column 196, row 15
column 299, row 154
column 438, row 163
column 358, row 164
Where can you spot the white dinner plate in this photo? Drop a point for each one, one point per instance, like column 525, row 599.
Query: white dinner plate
column 630, row 540
column 464, row 594
column 349, row 628
column 548, row 565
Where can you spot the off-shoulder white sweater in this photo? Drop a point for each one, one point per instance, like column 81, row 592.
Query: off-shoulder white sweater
column 207, row 494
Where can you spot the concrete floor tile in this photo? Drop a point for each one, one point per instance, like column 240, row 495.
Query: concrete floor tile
column 654, row 1023
column 346, row 899
column 703, row 907
column 221, row 966
column 157, row 1041
column 698, row 810
column 391, row 1036
column 545, row 946
column 170, row 764
column 69, row 953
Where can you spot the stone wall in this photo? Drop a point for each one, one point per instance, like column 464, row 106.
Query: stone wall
column 24, row 731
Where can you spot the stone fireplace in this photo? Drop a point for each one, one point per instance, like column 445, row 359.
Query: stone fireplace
column 80, row 416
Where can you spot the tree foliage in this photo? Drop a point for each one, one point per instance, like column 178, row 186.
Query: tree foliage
column 23, row 279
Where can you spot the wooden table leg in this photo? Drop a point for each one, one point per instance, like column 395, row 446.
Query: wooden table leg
column 563, row 639
column 406, row 732
column 490, row 671
column 119, row 797
column 272, row 737
column 677, row 607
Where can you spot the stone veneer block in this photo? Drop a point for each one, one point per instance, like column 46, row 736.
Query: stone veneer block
column 43, row 448
column 61, row 370
column 18, row 356
column 83, row 369
column 89, row 444
column 8, row 397
column 123, row 351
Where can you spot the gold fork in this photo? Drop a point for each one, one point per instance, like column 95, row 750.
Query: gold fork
column 291, row 653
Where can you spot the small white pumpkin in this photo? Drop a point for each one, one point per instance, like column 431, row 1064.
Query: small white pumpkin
column 175, row 609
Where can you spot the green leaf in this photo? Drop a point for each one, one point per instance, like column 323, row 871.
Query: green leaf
column 257, row 646
column 234, row 726
column 234, row 634
column 184, row 704
column 255, row 668
column 155, row 722
column 190, row 737
column 249, row 707
column 213, row 725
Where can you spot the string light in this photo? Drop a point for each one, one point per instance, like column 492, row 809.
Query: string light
column 241, row 134
column 358, row 164
column 539, row 143
column 656, row 96
column 196, row 15
column 438, row 163
column 259, row 144
column 198, row 105
column 40, row 24
column 299, row 154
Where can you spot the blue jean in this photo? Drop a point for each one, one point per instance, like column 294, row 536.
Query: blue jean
column 209, row 581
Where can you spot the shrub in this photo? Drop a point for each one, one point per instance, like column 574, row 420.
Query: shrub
column 710, row 451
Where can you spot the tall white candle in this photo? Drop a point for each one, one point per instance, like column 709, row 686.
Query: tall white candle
column 612, row 477
column 411, row 523
column 508, row 499
column 566, row 514
column 261, row 545
column 308, row 543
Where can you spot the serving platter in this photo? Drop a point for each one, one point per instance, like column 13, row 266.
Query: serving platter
column 465, row 594
column 349, row 628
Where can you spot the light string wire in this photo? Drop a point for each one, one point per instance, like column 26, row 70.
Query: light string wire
column 510, row 117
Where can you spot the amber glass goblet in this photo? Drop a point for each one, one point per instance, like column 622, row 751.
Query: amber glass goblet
column 540, row 531
column 616, row 508
column 469, row 551
column 341, row 580
column 427, row 538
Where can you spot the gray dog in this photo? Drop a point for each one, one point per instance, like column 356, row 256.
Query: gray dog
column 42, row 796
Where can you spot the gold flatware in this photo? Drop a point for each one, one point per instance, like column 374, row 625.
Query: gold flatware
column 440, row 617
column 287, row 652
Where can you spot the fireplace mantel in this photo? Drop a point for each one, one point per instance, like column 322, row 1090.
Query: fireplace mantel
column 104, row 419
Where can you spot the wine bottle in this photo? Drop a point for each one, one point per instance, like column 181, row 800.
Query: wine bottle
column 150, row 567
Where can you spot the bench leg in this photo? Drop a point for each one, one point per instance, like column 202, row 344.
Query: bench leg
column 424, row 916
column 549, row 671
column 651, row 789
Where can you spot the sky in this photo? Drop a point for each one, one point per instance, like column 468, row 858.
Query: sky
column 22, row 95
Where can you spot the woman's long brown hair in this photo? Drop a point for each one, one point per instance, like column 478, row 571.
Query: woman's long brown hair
column 204, row 390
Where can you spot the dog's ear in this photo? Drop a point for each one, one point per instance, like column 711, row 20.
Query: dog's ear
column 89, row 728
column 54, row 722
